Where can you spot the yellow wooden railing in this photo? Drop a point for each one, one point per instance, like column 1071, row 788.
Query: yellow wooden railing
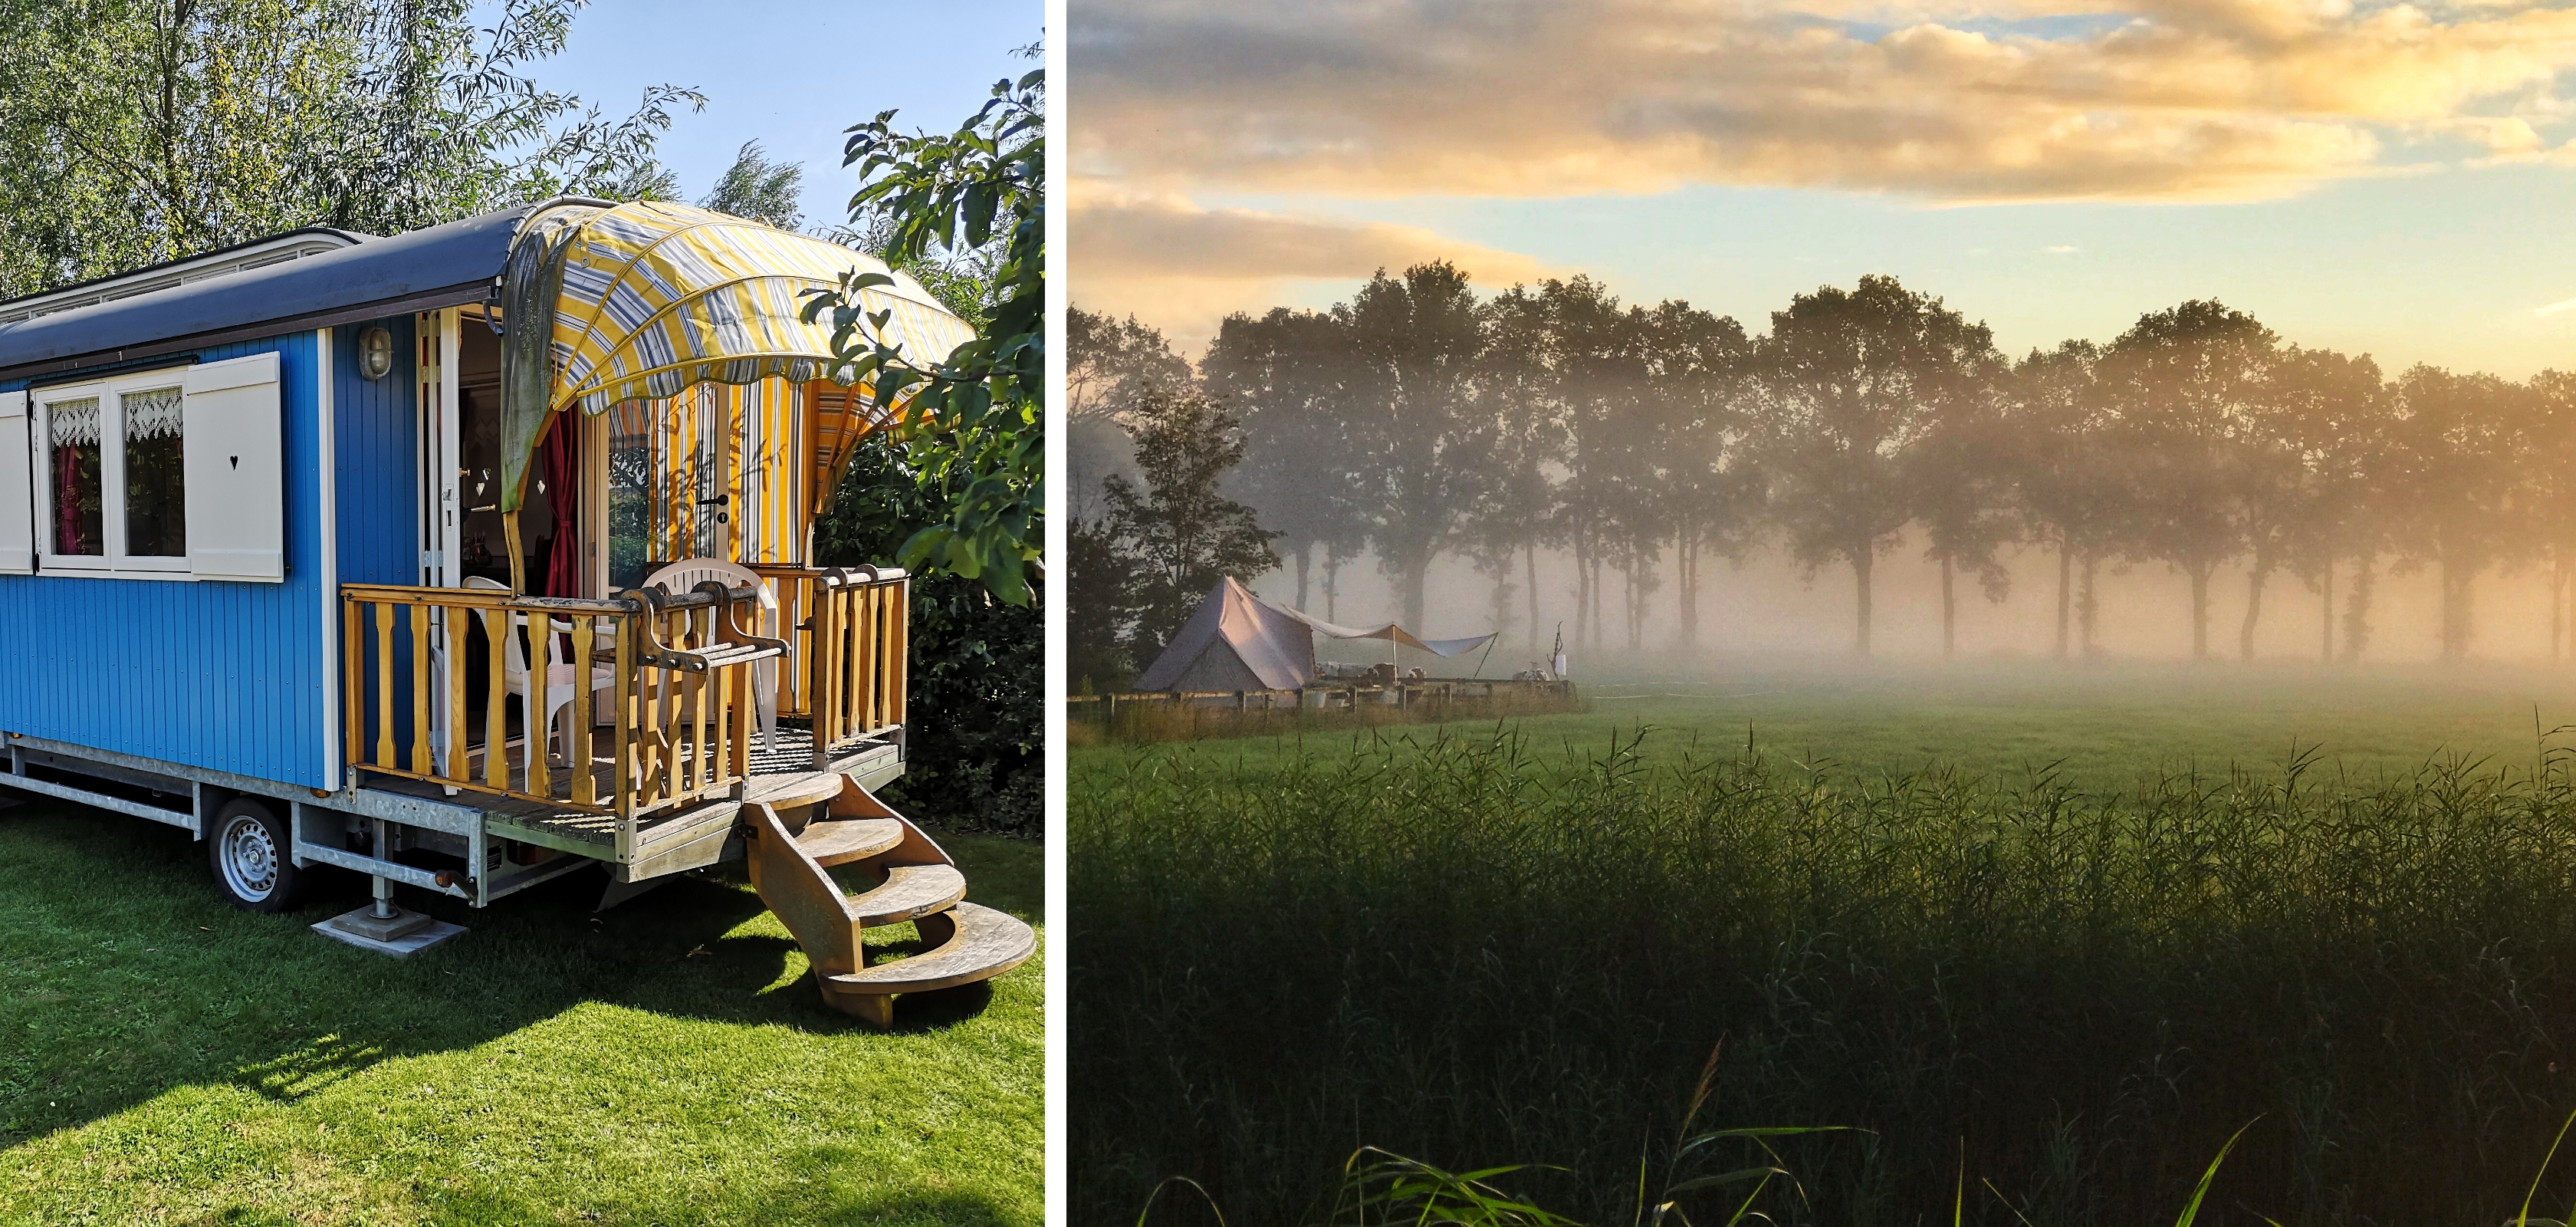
column 676, row 673
column 855, row 662
column 847, row 629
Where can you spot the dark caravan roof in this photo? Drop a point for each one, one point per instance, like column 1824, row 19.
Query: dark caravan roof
column 438, row 266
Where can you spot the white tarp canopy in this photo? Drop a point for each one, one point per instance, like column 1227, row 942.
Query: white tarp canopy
column 1389, row 632
column 1237, row 641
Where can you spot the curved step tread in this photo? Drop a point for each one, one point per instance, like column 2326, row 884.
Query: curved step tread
column 786, row 792
column 849, row 839
column 986, row 943
column 910, row 891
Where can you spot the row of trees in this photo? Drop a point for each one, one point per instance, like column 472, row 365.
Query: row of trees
column 1418, row 420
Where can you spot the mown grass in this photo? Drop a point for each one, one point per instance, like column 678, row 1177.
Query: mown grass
column 2105, row 725
column 166, row 1059
column 1479, row 947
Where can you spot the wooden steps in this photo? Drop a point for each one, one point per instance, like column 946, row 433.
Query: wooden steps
column 797, row 790
column 978, row 944
column 913, row 892
column 801, row 825
column 847, row 840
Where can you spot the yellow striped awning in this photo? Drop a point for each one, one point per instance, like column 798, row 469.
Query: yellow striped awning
column 657, row 297
column 652, row 298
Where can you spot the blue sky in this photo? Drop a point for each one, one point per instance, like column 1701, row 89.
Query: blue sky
column 793, row 74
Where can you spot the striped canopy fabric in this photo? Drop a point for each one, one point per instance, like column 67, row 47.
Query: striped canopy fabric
column 650, row 299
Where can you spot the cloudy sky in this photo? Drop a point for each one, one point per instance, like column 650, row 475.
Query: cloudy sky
column 2389, row 178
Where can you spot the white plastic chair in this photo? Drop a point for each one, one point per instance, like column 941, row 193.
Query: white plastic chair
column 679, row 577
column 559, row 672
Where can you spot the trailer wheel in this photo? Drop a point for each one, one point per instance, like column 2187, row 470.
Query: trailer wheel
column 249, row 847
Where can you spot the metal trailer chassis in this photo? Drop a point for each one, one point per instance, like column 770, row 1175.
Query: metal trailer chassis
column 326, row 824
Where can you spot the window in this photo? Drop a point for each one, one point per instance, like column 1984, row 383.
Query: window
column 113, row 488
column 72, row 447
column 156, row 474
column 171, row 474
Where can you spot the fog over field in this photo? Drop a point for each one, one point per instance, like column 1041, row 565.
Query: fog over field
column 1870, row 476
column 1769, row 609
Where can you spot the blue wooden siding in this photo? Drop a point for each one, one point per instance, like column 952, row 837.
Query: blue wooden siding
column 226, row 676
column 376, row 429
column 379, row 491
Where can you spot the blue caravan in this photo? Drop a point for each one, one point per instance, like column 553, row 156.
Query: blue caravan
column 468, row 558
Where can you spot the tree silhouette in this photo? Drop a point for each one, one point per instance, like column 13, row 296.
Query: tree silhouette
column 1415, row 421
column 2455, row 448
column 2186, row 381
column 1178, row 533
column 2331, row 411
column 1520, row 398
column 2066, row 479
column 1706, row 398
column 1960, row 476
column 1287, row 376
column 1108, row 363
column 2552, row 467
column 1855, row 379
column 1415, row 343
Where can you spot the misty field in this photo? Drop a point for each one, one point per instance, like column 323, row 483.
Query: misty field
column 2045, row 940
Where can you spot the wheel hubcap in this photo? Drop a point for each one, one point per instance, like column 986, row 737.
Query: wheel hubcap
column 250, row 858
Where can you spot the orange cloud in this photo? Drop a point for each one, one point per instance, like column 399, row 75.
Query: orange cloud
column 2153, row 100
column 1185, row 267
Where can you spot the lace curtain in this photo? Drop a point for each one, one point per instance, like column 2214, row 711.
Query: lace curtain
column 148, row 415
column 73, row 423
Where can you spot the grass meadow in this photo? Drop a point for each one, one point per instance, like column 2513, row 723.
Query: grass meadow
column 167, row 1059
column 2042, row 942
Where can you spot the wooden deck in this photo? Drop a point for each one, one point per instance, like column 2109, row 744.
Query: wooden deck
column 656, row 835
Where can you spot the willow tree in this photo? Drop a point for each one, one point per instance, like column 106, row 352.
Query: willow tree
column 138, row 131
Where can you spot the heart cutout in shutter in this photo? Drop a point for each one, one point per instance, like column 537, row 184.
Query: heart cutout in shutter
column 236, row 462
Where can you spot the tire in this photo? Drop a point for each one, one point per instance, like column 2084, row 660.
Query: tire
column 248, row 846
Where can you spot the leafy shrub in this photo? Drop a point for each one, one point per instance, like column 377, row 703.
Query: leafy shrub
column 976, row 711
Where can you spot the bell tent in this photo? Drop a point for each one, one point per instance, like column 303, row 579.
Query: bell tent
column 1237, row 641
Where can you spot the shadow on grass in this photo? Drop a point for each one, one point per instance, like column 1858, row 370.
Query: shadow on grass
column 848, row 1210
column 957, row 1209
column 123, row 974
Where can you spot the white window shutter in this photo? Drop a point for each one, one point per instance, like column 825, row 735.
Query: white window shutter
column 236, row 467
column 17, row 487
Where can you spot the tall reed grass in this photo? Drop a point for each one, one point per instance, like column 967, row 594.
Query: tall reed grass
column 2047, row 1006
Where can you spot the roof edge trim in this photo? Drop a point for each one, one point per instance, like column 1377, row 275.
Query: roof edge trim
column 428, row 300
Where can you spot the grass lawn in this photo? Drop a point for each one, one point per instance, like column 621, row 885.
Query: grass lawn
column 2106, row 726
column 165, row 1058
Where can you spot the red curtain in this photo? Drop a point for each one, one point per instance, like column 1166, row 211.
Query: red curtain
column 556, row 464
column 67, row 501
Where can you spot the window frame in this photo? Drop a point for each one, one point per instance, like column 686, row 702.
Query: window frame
column 112, row 562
